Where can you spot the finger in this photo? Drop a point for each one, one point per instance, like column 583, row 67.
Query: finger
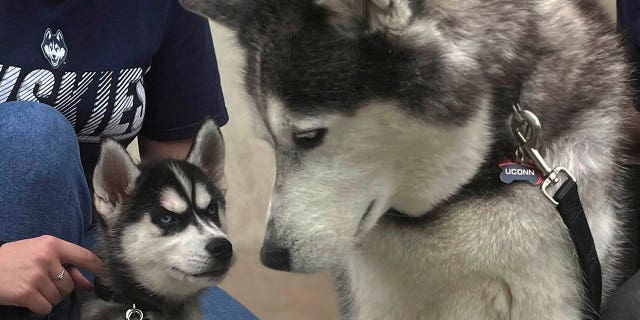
column 79, row 281
column 39, row 304
column 50, row 292
column 62, row 280
column 70, row 253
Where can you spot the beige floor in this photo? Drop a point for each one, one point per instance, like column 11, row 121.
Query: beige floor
column 250, row 168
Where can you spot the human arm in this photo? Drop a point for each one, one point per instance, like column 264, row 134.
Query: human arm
column 151, row 149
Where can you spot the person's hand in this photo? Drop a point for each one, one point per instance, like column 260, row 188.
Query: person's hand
column 32, row 272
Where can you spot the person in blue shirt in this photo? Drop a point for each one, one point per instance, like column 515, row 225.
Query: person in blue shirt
column 629, row 23
column 71, row 72
column 625, row 303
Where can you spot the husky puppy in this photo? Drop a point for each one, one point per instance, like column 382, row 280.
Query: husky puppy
column 389, row 120
column 163, row 235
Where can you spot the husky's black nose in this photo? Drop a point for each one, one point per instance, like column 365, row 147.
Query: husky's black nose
column 221, row 250
column 275, row 257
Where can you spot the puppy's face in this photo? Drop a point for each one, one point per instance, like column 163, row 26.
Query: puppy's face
column 171, row 230
column 165, row 221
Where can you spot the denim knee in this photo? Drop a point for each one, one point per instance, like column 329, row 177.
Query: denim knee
column 38, row 126
column 41, row 171
column 39, row 137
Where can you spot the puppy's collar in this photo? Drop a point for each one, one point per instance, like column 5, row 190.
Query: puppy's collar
column 107, row 294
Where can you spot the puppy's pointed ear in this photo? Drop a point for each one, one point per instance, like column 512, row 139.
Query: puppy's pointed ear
column 230, row 13
column 368, row 16
column 114, row 177
column 207, row 153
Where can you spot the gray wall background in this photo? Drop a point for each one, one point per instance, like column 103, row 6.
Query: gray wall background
column 250, row 169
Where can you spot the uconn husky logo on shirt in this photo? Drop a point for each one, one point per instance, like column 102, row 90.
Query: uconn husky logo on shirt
column 117, row 97
column 54, row 48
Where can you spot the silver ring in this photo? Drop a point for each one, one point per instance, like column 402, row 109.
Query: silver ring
column 61, row 275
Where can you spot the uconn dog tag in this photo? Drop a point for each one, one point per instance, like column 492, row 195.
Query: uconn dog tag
column 134, row 313
column 515, row 171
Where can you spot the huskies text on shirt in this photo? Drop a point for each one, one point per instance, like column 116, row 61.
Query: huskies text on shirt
column 114, row 68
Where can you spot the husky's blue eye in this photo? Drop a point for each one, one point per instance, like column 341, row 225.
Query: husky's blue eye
column 166, row 219
column 309, row 139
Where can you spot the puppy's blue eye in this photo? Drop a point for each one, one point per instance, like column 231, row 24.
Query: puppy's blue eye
column 166, row 219
column 213, row 208
column 213, row 211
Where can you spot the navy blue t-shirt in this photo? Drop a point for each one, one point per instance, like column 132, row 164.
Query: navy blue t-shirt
column 114, row 68
column 629, row 22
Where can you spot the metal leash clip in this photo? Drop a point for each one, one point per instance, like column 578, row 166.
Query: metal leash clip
column 526, row 129
column 134, row 313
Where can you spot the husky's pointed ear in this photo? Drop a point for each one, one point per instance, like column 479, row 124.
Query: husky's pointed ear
column 47, row 34
column 230, row 13
column 114, row 177
column 207, row 153
column 357, row 16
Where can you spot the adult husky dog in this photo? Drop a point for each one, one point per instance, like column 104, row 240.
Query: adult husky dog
column 380, row 108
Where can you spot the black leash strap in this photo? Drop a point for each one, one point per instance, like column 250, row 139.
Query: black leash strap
column 526, row 130
column 572, row 213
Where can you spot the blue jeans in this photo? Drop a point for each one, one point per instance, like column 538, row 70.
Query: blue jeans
column 43, row 190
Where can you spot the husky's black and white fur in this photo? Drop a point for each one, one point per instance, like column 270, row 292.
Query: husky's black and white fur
column 375, row 106
column 163, row 236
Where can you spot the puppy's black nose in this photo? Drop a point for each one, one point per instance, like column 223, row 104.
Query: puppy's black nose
column 275, row 257
column 220, row 249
